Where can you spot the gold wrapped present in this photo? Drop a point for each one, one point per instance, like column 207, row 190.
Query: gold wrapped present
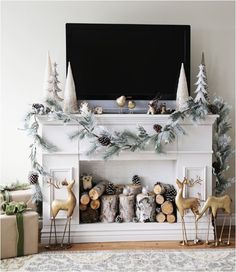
column 19, row 236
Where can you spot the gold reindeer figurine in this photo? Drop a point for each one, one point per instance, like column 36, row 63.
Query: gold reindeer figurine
column 66, row 205
column 182, row 205
column 214, row 203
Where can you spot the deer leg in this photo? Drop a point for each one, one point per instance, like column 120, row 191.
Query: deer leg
column 208, row 229
column 50, row 235
column 196, row 231
column 220, row 239
column 55, row 231
column 64, row 232
column 216, row 241
column 185, row 240
column 69, row 232
column 230, row 221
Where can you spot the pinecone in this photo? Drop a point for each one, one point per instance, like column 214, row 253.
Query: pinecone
column 104, row 140
column 37, row 106
column 213, row 109
column 136, row 180
column 171, row 194
column 119, row 219
column 110, row 189
column 135, row 220
column 216, row 165
column 157, row 128
column 33, row 177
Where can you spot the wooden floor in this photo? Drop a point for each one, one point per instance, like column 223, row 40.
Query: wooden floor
column 144, row 245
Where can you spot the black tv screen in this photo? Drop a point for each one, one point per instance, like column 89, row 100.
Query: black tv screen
column 109, row 60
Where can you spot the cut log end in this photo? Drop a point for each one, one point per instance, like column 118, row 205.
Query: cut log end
column 171, row 218
column 95, row 204
column 85, row 199
column 160, row 217
column 167, row 207
column 159, row 199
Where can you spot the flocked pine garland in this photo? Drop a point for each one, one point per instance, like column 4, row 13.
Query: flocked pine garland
column 110, row 144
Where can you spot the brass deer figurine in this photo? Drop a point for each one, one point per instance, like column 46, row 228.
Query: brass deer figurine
column 66, row 205
column 183, row 204
column 214, row 203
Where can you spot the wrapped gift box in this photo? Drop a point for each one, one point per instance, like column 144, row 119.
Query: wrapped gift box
column 21, row 195
column 10, row 235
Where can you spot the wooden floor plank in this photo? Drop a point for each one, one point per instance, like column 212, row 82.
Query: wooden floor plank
column 143, row 245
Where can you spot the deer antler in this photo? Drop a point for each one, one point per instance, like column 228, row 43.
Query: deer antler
column 56, row 184
column 191, row 182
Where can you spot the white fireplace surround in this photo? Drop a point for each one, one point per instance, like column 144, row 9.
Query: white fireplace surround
column 190, row 155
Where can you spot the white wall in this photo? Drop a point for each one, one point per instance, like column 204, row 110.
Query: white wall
column 29, row 29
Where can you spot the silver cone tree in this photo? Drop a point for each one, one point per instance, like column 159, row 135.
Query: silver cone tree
column 70, row 99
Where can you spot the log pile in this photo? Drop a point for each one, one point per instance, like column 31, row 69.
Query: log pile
column 165, row 199
column 98, row 203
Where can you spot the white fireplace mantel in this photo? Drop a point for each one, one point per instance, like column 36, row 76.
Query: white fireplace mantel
column 190, row 155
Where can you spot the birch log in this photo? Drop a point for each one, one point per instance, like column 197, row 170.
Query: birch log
column 126, row 207
column 134, row 189
column 171, row 218
column 95, row 204
column 160, row 217
column 82, row 207
column 167, row 207
column 109, row 205
column 98, row 190
column 146, row 207
column 160, row 199
column 84, row 199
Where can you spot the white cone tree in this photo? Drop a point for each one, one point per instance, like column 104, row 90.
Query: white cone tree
column 201, row 91
column 47, row 76
column 53, row 84
column 70, row 99
column 182, row 90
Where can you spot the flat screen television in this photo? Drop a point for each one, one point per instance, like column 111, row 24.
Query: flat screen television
column 139, row 61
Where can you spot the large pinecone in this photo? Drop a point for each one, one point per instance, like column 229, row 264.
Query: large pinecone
column 157, row 128
column 213, row 109
column 136, row 180
column 119, row 219
column 110, row 189
column 33, row 177
column 104, row 140
column 171, row 194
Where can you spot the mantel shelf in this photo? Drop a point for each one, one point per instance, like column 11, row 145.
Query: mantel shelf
column 144, row 119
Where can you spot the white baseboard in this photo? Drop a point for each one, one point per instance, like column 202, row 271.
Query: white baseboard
column 220, row 218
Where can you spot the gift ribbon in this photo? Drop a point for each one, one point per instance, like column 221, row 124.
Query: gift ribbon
column 6, row 195
column 17, row 208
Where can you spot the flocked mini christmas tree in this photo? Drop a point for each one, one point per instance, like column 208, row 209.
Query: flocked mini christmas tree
column 201, row 91
column 53, row 84
column 204, row 71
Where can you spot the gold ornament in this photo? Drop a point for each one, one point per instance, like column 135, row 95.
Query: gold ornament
column 121, row 102
column 65, row 205
column 214, row 203
column 184, row 204
column 131, row 105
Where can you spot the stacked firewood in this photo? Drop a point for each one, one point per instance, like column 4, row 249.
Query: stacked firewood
column 105, row 202
column 90, row 199
column 165, row 199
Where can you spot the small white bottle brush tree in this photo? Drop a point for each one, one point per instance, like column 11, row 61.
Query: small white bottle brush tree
column 53, row 84
column 201, row 91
